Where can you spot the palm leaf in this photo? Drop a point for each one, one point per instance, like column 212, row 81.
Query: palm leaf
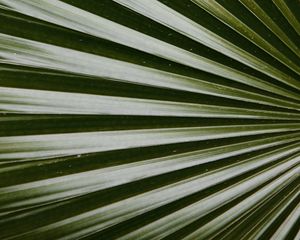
column 159, row 119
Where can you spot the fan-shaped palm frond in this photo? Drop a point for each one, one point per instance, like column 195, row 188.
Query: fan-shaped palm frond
column 149, row 119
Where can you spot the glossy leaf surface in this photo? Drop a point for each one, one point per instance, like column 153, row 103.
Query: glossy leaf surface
column 149, row 119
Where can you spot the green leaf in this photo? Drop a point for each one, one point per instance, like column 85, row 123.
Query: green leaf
column 158, row 119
